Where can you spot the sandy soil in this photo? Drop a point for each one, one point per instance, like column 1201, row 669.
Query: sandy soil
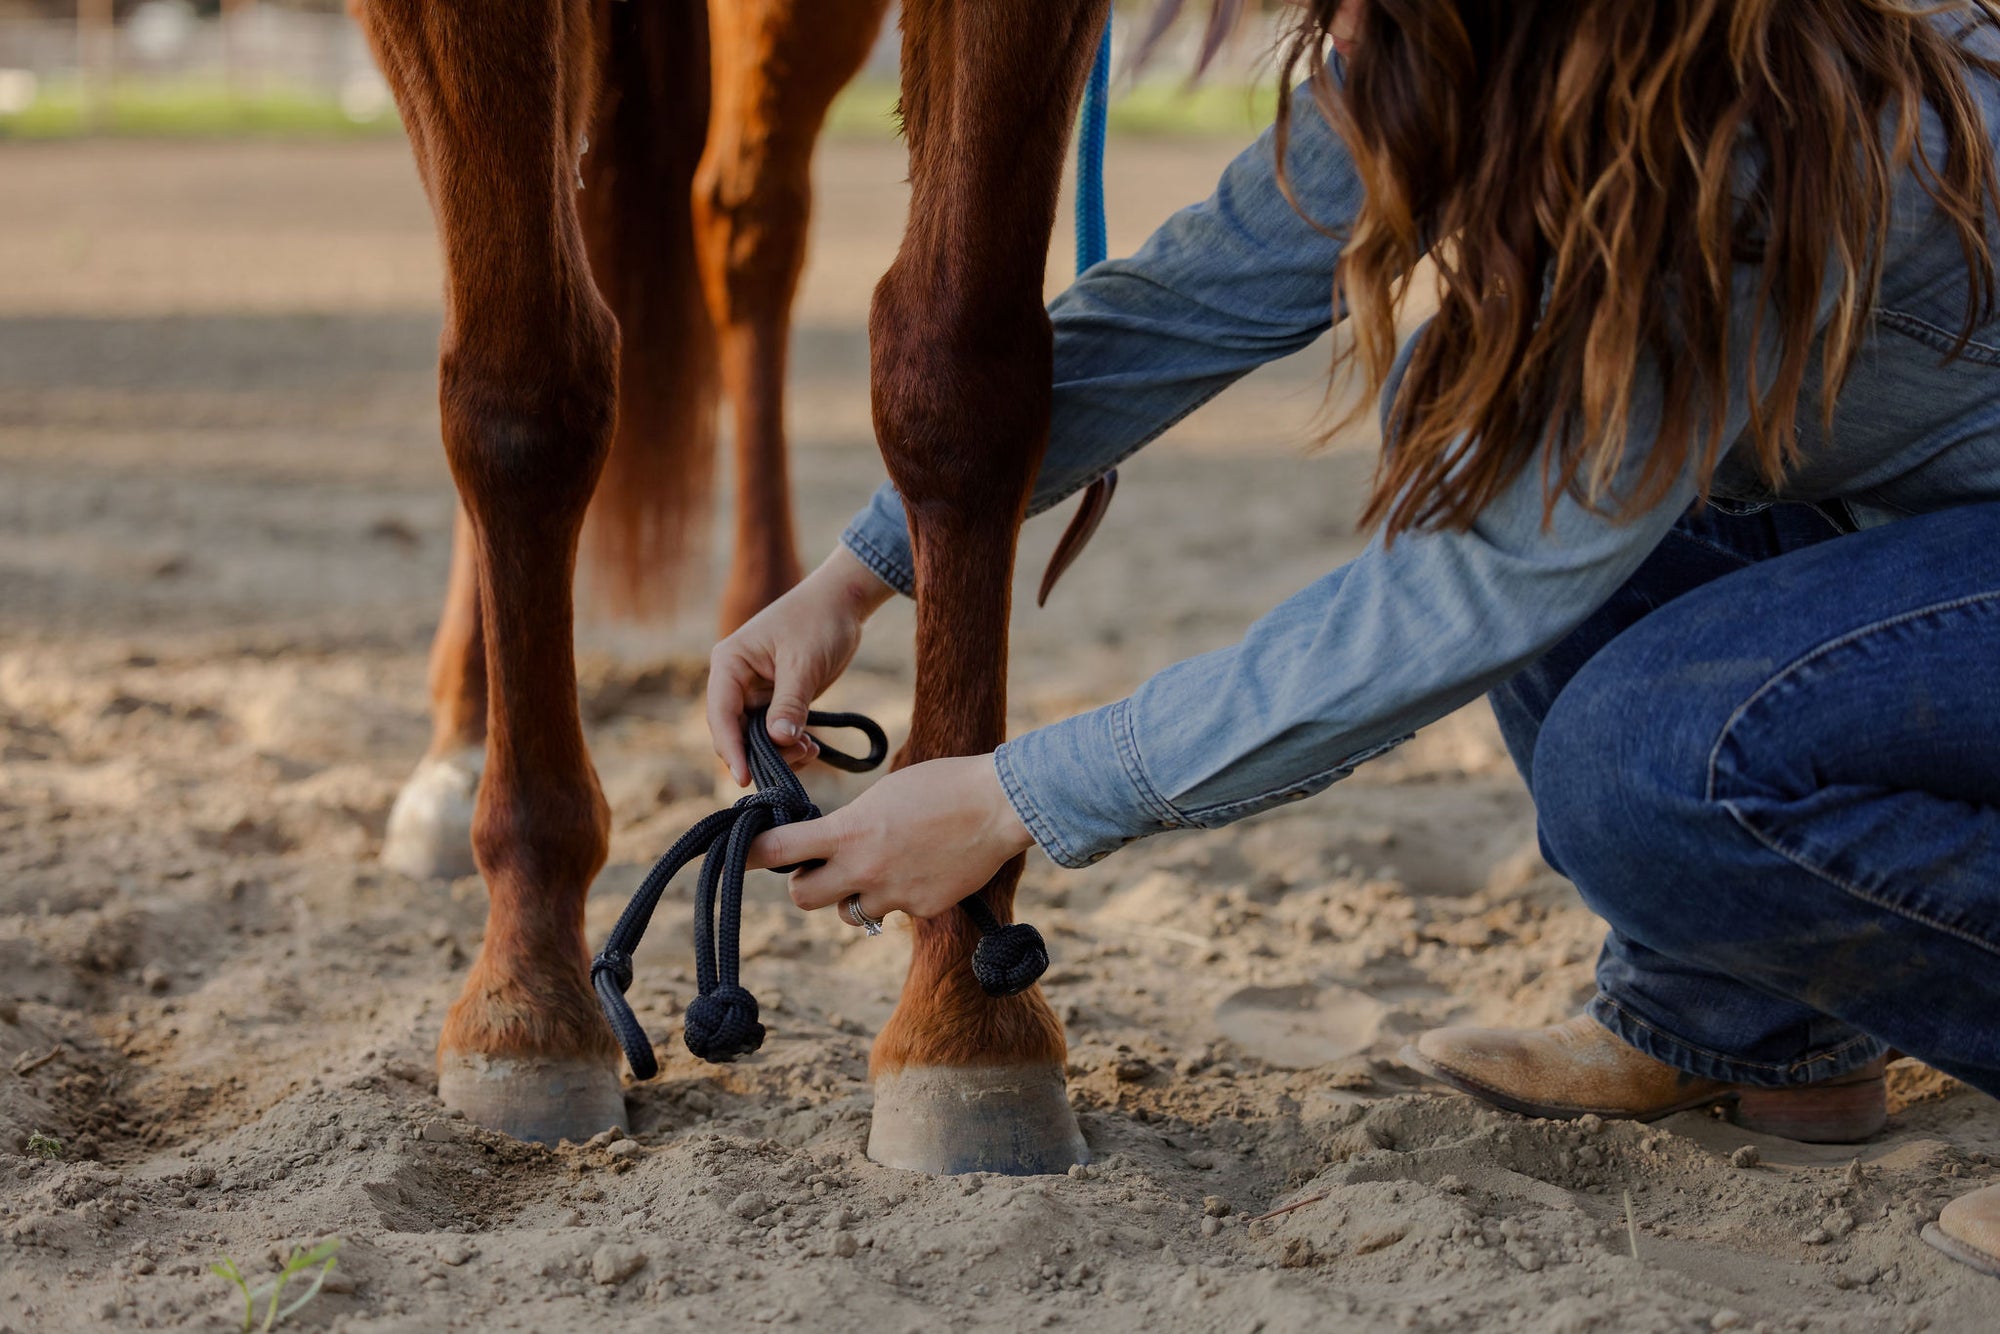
column 223, row 529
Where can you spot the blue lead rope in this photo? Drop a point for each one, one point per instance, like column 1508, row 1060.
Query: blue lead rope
column 1092, row 247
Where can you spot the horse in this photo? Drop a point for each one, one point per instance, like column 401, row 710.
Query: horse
column 563, row 361
column 693, row 195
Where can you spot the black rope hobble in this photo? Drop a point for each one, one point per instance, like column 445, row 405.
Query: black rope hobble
column 722, row 1021
column 1008, row 959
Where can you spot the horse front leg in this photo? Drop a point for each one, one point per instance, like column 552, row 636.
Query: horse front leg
column 495, row 96
column 775, row 67
column 961, row 382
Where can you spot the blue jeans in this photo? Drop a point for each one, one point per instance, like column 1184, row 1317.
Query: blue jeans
column 1772, row 763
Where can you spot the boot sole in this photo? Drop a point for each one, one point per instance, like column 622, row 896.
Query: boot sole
column 1959, row 1251
column 1831, row 1113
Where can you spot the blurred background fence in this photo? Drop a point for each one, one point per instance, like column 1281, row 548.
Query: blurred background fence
column 171, row 66
column 70, row 67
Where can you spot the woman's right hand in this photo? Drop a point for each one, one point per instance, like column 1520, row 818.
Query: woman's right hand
column 788, row 653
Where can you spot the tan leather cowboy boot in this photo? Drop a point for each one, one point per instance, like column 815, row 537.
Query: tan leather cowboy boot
column 1578, row 1068
column 1969, row 1230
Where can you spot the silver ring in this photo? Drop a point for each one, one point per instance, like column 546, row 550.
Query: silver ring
column 850, row 913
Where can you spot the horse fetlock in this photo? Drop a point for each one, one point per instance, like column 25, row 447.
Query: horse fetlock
column 948, row 1022
column 429, row 835
column 528, row 997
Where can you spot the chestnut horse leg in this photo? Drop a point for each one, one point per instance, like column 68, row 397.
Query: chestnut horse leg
column 775, row 67
column 430, row 826
column 645, row 139
column 495, row 96
column 961, row 380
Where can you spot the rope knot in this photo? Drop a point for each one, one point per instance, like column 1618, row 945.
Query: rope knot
column 1009, row 959
column 786, row 806
column 722, row 1025
column 617, row 964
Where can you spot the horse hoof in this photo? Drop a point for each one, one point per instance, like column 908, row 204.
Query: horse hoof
column 430, row 826
column 1015, row 1120
column 533, row 1098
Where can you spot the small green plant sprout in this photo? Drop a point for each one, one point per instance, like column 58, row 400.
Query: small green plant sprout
column 322, row 1254
column 44, row 1146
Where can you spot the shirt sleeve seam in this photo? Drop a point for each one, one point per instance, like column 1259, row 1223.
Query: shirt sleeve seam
column 1209, row 817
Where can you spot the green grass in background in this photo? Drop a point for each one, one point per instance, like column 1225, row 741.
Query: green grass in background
column 195, row 108
column 1165, row 107
column 206, row 108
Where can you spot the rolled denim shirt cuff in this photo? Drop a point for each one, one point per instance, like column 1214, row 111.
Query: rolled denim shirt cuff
column 1079, row 788
column 879, row 537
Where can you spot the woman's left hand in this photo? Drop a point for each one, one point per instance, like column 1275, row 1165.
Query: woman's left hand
column 917, row 842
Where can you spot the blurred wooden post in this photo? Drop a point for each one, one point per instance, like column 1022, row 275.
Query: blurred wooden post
column 95, row 60
column 232, row 39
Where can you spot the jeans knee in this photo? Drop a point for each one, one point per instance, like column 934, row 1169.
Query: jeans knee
column 1618, row 810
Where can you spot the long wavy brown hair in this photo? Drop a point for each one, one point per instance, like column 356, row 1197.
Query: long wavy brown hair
column 1577, row 170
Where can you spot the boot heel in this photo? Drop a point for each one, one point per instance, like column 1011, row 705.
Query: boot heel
column 1832, row 1113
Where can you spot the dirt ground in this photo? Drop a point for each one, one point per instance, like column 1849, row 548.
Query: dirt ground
column 223, row 533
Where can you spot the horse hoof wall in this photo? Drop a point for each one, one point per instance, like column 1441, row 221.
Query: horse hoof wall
column 430, row 827
column 1015, row 1120
column 533, row 1098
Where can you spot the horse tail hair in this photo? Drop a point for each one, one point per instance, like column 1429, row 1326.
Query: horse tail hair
column 649, row 518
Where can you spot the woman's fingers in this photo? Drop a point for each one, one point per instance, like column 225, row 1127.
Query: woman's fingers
column 870, row 905
column 790, row 844
column 792, row 691
column 735, row 685
column 916, row 842
column 725, row 713
column 823, row 887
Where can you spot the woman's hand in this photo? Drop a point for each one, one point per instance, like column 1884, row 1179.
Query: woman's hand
column 786, row 655
column 917, row 842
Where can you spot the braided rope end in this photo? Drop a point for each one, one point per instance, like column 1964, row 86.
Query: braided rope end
column 1010, row 959
column 722, row 1025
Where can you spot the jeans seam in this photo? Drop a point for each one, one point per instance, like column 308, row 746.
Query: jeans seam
column 1792, row 1067
column 1803, row 660
column 1742, row 561
column 1866, row 896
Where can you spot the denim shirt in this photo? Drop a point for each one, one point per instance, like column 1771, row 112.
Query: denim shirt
column 1352, row 665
